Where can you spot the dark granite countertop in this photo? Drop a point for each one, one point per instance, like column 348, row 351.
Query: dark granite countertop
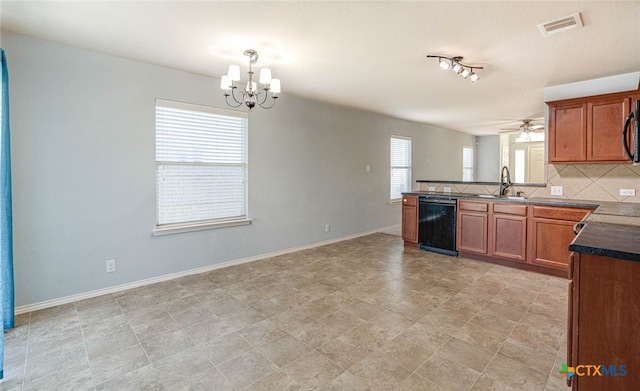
column 612, row 230
column 521, row 200
column 608, row 240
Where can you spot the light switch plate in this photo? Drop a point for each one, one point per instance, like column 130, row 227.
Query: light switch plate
column 367, row 168
column 556, row 190
column 628, row 192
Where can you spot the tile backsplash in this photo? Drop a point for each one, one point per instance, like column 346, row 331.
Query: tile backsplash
column 597, row 182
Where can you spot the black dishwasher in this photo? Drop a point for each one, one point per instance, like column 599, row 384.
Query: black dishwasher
column 437, row 224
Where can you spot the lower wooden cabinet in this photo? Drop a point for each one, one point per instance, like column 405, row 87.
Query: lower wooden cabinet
column 472, row 227
column 508, row 236
column 603, row 323
column 532, row 237
column 410, row 220
column 550, row 233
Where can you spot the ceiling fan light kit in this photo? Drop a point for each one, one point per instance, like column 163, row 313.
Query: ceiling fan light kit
column 250, row 95
column 456, row 65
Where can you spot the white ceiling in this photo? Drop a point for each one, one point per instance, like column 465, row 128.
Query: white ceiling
column 370, row 55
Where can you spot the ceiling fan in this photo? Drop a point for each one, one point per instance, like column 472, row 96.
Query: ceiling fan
column 526, row 127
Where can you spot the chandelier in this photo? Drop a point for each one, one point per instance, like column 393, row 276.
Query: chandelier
column 466, row 71
column 250, row 95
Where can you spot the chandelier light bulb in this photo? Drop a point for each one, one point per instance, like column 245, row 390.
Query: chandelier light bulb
column 265, row 76
column 474, row 77
column 465, row 73
column 234, row 73
column 457, row 68
column 444, row 64
column 275, row 86
column 225, row 82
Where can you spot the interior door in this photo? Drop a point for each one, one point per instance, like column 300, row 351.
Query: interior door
column 535, row 164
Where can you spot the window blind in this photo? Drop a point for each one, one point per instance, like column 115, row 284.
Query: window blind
column 467, row 164
column 400, row 175
column 201, row 163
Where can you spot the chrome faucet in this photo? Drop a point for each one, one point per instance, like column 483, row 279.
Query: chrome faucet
column 505, row 181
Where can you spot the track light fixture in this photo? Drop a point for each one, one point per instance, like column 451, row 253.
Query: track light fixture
column 455, row 63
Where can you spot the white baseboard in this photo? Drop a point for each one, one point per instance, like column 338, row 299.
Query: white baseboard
column 119, row 288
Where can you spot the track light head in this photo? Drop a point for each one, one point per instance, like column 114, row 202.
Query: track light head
column 474, row 77
column 445, row 64
column 465, row 72
column 457, row 68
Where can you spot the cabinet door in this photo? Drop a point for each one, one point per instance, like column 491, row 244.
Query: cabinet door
column 550, row 240
column 472, row 232
column 410, row 220
column 567, row 132
column 605, row 118
column 550, row 233
column 509, row 236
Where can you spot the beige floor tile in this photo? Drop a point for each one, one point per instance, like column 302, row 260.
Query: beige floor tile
column 467, row 354
column 279, row 381
column 283, row 350
column 182, row 367
column 417, row 383
column 447, row 374
column 379, row 372
column 373, row 311
column 225, row 347
column 312, row 370
column 514, row 374
column 406, row 352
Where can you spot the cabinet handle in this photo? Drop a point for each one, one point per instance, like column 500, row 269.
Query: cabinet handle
column 405, row 200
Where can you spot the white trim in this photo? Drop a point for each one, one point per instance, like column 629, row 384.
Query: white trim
column 119, row 288
column 167, row 229
column 196, row 107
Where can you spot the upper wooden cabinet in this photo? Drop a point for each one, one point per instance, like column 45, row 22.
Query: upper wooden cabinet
column 568, row 132
column 589, row 130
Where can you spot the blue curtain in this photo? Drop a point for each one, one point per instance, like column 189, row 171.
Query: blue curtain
column 6, row 234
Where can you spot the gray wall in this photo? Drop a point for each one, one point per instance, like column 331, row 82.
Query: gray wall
column 488, row 159
column 84, row 184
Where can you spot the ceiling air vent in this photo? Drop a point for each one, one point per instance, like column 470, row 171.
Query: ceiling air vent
column 560, row 25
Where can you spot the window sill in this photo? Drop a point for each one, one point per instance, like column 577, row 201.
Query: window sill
column 168, row 229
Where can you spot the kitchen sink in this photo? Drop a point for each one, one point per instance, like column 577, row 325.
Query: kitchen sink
column 487, row 196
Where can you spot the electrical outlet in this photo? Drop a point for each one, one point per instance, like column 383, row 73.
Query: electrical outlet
column 327, row 227
column 432, row 188
column 447, row 190
column 111, row 265
column 628, row 192
column 367, row 168
column 556, row 190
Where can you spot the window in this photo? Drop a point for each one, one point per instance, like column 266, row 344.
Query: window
column 467, row 163
column 201, row 167
column 400, row 166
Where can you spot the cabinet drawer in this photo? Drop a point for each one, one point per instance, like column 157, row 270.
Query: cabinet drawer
column 559, row 213
column 473, row 206
column 512, row 209
column 410, row 200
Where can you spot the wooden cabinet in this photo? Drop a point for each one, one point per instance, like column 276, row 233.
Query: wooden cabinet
column 550, row 233
column 605, row 117
column 588, row 130
column 603, row 322
column 410, row 220
column 472, row 227
column 567, row 132
column 508, row 236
